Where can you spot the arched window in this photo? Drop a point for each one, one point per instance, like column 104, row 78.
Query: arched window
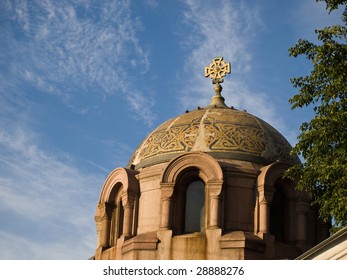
column 194, row 207
column 191, row 189
column 282, row 212
column 116, row 213
column 116, row 229
column 189, row 204
column 277, row 214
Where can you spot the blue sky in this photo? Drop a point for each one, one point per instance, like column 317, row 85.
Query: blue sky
column 82, row 83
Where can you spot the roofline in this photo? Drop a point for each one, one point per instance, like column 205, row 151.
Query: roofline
column 316, row 249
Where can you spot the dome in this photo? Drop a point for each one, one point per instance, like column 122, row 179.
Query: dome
column 220, row 131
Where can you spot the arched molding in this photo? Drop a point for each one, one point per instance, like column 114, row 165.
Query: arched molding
column 192, row 164
column 119, row 177
column 270, row 173
column 207, row 165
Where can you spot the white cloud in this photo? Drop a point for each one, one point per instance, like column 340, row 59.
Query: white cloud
column 152, row 3
column 73, row 50
column 76, row 49
column 46, row 203
column 18, row 247
column 223, row 28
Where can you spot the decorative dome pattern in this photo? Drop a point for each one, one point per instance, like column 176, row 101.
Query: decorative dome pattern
column 222, row 132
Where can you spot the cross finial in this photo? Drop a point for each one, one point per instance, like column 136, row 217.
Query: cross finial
column 216, row 71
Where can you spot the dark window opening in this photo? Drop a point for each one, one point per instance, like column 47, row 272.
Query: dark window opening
column 277, row 216
column 116, row 229
column 194, row 207
column 120, row 216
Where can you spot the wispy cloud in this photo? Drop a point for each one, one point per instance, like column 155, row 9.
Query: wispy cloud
column 223, row 28
column 81, row 53
column 16, row 246
column 46, row 202
column 76, row 50
column 152, row 3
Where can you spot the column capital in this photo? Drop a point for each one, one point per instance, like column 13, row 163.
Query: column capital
column 167, row 190
column 266, row 193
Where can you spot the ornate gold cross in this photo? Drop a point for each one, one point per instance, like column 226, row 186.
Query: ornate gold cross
column 217, row 70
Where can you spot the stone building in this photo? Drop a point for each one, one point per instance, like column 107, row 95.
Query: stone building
column 207, row 184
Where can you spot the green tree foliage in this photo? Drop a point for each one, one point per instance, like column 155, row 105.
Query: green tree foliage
column 323, row 141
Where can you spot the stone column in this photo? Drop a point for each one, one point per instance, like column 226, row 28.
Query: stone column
column 214, row 191
column 103, row 224
column 265, row 197
column 264, row 216
column 128, row 206
column 165, row 213
column 166, row 201
column 98, row 222
column 302, row 209
column 214, row 212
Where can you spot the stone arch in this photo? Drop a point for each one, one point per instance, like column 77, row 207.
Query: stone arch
column 266, row 188
column 279, row 194
column 295, row 205
column 121, row 183
column 119, row 177
column 209, row 167
column 196, row 164
column 270, row 173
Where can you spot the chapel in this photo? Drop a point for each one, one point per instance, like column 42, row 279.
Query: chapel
column 207, row 184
